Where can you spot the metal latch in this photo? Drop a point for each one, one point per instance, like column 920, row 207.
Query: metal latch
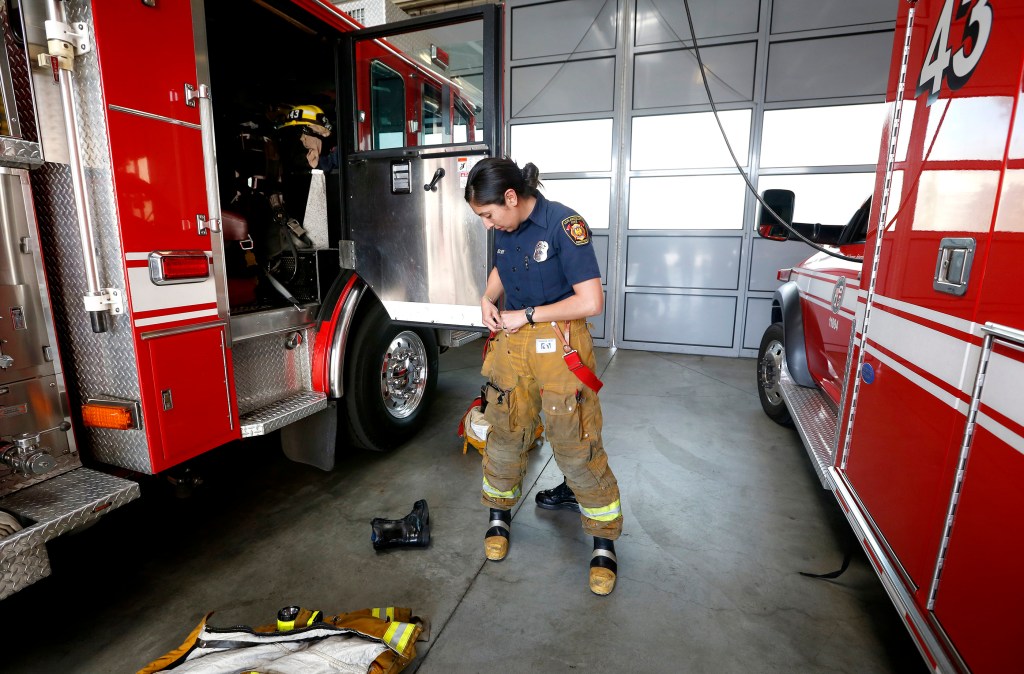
column 953, row 266
column 110, row 300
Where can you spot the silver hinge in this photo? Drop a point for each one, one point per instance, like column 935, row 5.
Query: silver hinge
column 192, row 95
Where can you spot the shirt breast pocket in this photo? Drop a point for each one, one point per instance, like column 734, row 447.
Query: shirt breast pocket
column 552, row 280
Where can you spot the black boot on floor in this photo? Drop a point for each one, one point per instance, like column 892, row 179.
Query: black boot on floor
column 496, row 538
column 558, row 498
column 603, row 567
column 412, row 531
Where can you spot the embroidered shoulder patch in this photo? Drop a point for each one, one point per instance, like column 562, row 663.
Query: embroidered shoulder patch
column 576, row 227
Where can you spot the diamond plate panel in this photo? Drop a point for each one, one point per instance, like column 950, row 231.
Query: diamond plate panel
column 24, row 100
column 280, row 414
column 266, row 371
column 18, row 571
column 52, row 508
column 103, row 364
column 12, row 482
column 21, row 153
column 815, row 421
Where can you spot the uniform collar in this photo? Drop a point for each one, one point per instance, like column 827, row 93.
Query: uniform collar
column 539, row 214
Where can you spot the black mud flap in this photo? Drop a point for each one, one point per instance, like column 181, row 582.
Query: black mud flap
column 312, row 440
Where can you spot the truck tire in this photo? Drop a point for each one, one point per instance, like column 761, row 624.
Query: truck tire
column 389, row 381
column 769, row 374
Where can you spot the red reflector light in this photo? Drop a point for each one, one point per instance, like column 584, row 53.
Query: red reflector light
column 784, row 274
column 188, row 266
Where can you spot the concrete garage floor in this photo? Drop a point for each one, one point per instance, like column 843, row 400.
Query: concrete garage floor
column 722, row 510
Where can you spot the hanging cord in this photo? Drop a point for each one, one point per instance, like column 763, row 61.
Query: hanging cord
column 728, row 145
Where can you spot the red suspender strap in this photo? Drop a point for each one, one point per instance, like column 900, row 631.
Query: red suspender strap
column 574, row 362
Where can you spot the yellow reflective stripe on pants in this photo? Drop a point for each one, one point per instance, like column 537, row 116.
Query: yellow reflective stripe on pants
column 604, row 514
column 398, row 634
column 387, row 613
column 495, row 493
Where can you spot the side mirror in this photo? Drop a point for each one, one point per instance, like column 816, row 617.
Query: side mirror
column 783, row 203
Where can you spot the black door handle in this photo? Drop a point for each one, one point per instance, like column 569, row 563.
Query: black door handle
column 432, row 186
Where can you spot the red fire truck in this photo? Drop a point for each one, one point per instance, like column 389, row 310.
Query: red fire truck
column 900, row 363
column 172, row 281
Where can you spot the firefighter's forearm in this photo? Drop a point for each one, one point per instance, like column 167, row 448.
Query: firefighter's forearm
column 494, row 289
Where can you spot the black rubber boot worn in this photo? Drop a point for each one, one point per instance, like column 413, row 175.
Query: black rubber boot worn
column 604, row 567
column 412, row 531
column 558, row 498
column 496, row 538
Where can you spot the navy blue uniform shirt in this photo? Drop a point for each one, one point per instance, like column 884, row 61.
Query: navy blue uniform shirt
column 545, row 257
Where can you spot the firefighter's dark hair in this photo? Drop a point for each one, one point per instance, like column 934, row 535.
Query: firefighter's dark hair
column 492, row 177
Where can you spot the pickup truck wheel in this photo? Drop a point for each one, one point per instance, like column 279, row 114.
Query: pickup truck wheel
column 769, row 375
column 389, row 382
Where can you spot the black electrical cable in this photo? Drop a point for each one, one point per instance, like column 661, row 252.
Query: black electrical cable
column 750, row 186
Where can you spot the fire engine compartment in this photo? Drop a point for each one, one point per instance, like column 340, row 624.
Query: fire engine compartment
column 289, row 61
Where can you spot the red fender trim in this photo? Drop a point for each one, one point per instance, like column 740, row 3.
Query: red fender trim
column 325, row 340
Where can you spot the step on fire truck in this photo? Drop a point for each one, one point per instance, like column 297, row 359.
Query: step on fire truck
column 175, row 276
column 901, row 363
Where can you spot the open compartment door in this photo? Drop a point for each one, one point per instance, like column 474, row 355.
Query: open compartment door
column 423, row 107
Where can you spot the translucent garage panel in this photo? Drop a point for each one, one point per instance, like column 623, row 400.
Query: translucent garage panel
column 559, row 147
column 830, row 199
column 689, row 141
column 660, row 21
column 563, row 88
column 838, row 135
column 589, row 196
column 700, row 320
column 768, row 258
column 843, row 65
column 546, row 29
column 759, row 317
column 668, row 78
column 686, row 202
column 708, row 262
column 794, row 15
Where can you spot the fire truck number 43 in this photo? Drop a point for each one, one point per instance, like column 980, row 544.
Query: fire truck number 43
column 957, row 67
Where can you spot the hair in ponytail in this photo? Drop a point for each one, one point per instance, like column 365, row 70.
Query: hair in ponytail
column 492, row 177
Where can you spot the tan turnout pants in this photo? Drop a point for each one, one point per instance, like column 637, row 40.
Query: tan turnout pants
column 528, row 374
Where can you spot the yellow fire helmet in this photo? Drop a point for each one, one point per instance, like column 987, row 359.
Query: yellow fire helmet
column 310, row 116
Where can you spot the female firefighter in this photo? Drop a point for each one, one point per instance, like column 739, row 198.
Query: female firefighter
column 546, row 269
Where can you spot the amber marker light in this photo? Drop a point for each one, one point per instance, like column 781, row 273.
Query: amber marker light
column 96, row 415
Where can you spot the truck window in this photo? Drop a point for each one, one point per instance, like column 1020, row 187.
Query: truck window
column 387, row 106
column 460, row 122
column 433, row 121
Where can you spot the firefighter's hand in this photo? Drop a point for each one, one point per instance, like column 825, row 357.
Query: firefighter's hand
column 490, row 315
column 511, row 321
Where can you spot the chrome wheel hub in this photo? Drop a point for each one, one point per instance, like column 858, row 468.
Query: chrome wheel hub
column 769, row 373
column 403, row 374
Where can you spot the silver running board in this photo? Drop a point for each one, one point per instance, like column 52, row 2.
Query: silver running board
column 51, row 508
column 815, row 421
column 281, row 413
column 458, row 337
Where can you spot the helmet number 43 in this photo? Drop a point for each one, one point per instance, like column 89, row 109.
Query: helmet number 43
column 941, row 61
